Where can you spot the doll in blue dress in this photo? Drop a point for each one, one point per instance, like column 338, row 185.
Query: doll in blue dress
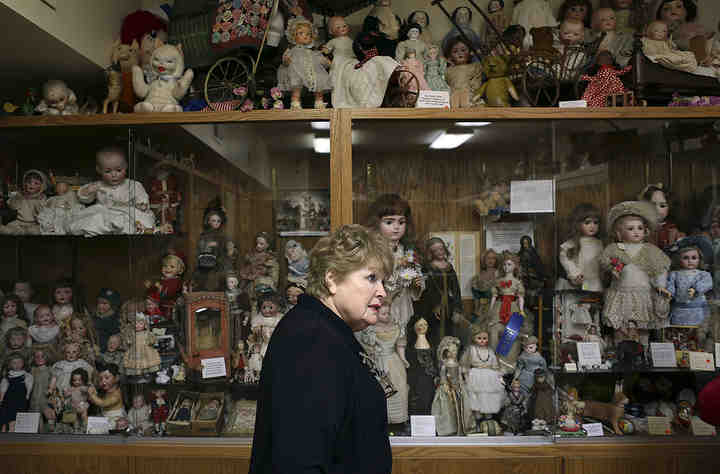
column 688, row 284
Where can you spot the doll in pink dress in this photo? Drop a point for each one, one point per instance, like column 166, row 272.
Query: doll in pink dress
column 413, row 64
column 605, row 82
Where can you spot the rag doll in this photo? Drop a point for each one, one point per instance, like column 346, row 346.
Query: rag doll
column 110, row 399
column 58, row 211
column 483, row 377
column 76, row 397
column 117, row 204
column 463, row 75
column 533, row 14
column 106, row 321
column 298, row 263
column 422, row 19
column 260, row 268
column 139, row 414
column 170, row 85
column 45, row 330
column 529, row 361
column 141, row 357
column 57, row 99
column 687, row 284
column 463, row 19
column 660, row 48
column 28, row 204
column 15, row 390
column 666, row 232
column 451, row 404
column 13, row 315
column 435, row 67
column 616, row 41
column 422, row 371
column 412, row 41
column 482, row 284
column 24, row 290
column 605, row 83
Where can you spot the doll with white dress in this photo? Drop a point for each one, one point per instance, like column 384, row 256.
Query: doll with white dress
column 687, row 284
column 15, row 390
column 268, row 314
column 58, row 210
column 660, row 48
column 45, row 331
column 483, row 377
column 63, row 369
column 139, row 414
column 435, row 67
column 451, row 404
column 28, row 204
column 117, row 204
column 141, row 358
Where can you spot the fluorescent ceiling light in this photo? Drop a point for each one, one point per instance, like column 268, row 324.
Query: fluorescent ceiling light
column 452, row 138
column 472, row 124
column 321, row 144
column 324, row 125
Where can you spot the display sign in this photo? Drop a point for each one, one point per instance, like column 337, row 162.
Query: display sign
column 422, row 425
column 663, row 354
column 213, row 367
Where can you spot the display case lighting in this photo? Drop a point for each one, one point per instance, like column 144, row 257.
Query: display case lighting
column 451, row 138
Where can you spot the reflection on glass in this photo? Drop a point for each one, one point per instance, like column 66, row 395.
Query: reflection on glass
column 207, row 329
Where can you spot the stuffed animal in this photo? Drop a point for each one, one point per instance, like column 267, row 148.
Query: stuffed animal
column 610, row 412
column 498, row 88
column 170, row 85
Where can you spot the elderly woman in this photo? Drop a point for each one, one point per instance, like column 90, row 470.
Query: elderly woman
column 320, row 407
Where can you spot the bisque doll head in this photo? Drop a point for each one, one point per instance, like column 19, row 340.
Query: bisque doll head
column 510, row 264
column 172, row 266
column 294, row 251
column 79, row 377
column 231, row 282
column 673, row 11
column 62, row 292
column 111, row 165
column 421, row 326
column 458, row 51
column 584, row 221
column 576, row 10
column 435, row 249
column 34, row 182
column 15, row 361
column 419, row 17
column 71, row 351
column 432, row 52
column 462, row 15
column 414, row 32
column 44, row 317
column 391, row 215
column 338, row 27
column 631, row 229
column 300, row 31
column 688, row 258
column 489, row 260
column 11, row 307
column 572, row 32
column 530, row 344
column 108, row 377
column 40, row 358
column 263, row 242
column 657, row 30
column 268, row 308
column 604, row 20
column 24, row 290
column 78, row 327
column 114, row 342
column 643, row 214
column 103, row 306
column 138, row 401
column 16, row 338
column 481, row 338
column 140, row 322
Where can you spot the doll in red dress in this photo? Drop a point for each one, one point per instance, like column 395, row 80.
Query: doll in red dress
column 159, row 410
column 169, row 287
column 606, row 81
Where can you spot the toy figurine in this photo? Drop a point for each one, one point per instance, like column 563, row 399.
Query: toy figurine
column 617, row 42
column 508, row 297
column 139, row 414
column 169, row 287
column 42, row 377
column 24, row 290
column 121, row 204
column 59, row 210
column 170, row 85
column 422, row 19
column 298, row 263
column 28, row 204
column 341, row 46
column 111, row 403
column 389, row 22
column 482, row 284
column 106, row 321
column 498, row 88
column 303, row 67
column 148, row 28
column 58, row 99
column 141, row 358
column 463, row 18
column 421, row 372
column 533, row 14
column 165, row 199
column 638, row 269
column 119, row 76
column 159, row 410
column 514, row 415
column 462, row 75
column 688, row 284
column 114, row 354
column 485, row 385
column 605, row 82
column 260, row 269
column 451, row 405
column 45, row 331
column 15, row 390
column 542, row 398
column 660, row 48
column 666, row 233
column 16, row 340
column 528, row 362
column 608, row 412
column 210, row 410
column 252, row 373
column 292, row 292
column 76, row 396
column 435, row 67
column 412, row 41
column 13, row 315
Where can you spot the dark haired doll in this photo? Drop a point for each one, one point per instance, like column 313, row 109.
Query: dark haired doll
column 421, row 17
column 28, row 204
column 667, row 233
column 688, row 35
column 576, row 10
column 13, row 315
column 15, row 389
column 462, row 17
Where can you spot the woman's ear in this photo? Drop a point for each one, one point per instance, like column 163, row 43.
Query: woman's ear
column 330, row 282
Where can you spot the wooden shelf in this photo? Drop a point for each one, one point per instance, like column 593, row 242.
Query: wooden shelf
column 174, row 164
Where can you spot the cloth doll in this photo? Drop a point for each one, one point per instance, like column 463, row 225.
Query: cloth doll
column 508, row 297
column 303, row 66
column 159, row 410
column 298, row 263
column 412, row 64
column 528, row 362
column 57, row 99
column 462, row 76
column 463, row 18
column 435, row 67
column 110, row 401
column 139, row 414
column 28, row 204
column 618, row 43
column 24, row 290
column 533, row 14
column 637, row 295
column 42, row 377
column 687, row 284
column 481, row 285
column 76, row 396
column 422, row 19
column 514, row 415
column 660, row 49
column 15, row 391
column 483, row 377
column 605, row 83
column 412, row 41
column 422, row 371
column 666, row 232
column 141, row 357
column 260, row 269
column 162, row 93
column 121, row 205
column 13, row 315
column 106, row 321
column 165, row 199
column 58, row 211
column 45, row 332
column 451, row 404
column 389, row 22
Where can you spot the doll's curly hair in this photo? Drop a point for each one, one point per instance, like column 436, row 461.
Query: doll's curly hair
column 507, row 255
column 294, row 24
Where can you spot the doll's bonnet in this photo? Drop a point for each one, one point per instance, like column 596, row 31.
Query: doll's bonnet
column 643, row 209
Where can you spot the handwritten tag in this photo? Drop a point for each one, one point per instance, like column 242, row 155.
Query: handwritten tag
column 422, row 425
column 433, row 99
column 593, row 429
column 98, row 425
column 659, row 425
column 700, row 428
column 702, row 361
column 27, row 422
column 570, row 367
column 663, row 354
column 213, row 367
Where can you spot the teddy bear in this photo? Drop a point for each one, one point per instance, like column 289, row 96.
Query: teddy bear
column 498, row 88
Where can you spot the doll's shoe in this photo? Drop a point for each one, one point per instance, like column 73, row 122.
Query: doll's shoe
column 319, row 104
column 295, row 105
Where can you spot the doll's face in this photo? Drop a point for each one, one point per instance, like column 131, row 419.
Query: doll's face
column 576, row 13
column 151, row 306
column 16, row 341
column 413, row 33
column 33, row 185
column 63, row 295
column 433, row 52
column 76, row 380
column 78, row 327
column 268, row 309
column 292, row 295
column 657, row 31
column 411, row 54
column 509, row 266
column 631, row 229
column 673, row 11
column 303, row 35
column 437, row 250
column 590, row 226
column 261, row 244
column 572, row 32
column 16, row 364
column 24, row 291
column 494, row 6
column 531, row 348
column 491, row 260
column 661, row 204
column 339, row 27
column 421, row 327
column 62, row 188
column 460, row 53
column 103, row 306
column 39, row 358
column 690, row 260
column 187, row 403
column 214, row 221
column 293, row 253
column 232, row 283
column 384, row 314
column 112, row 168
column 452, row 351
column 10, row 309
column 107, row 380
column 44, row 317
column 170, row 268
column 463, row 16
column 138, row 402
column 419, row 18
column 113, row 343
column 393, row 227
column 139, row 325
column 604, row 20
column 481, row 339
column 72, row 352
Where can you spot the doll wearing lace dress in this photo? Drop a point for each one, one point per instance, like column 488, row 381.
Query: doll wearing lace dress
column 483, row 377
column 659, row 48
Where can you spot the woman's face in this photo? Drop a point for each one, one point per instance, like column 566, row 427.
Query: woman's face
column 589, row 227
column 63, row 295
column 10, row 309
column 661, row 204
column 673, row 11
column 357, row 298
column 690, row 260
column 460, row 53
column 393, row 227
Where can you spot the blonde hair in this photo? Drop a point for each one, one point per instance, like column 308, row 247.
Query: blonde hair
column 296, row 23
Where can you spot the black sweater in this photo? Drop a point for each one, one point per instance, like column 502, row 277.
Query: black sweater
column 319, row 410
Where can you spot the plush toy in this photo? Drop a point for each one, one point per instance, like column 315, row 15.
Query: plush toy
column 169, row 86
column 58, row 99
column 498, row 88
column 119, row 74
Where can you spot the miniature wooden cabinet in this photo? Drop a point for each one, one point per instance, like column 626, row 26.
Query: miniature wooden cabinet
column 208, row 329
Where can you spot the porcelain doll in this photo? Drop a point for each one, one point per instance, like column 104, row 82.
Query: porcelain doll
column 16, row 340
column 571, row 35
column 577, row 11
column 389, row 22
column 340, row 46
column 681, row 16
column 121, row 205
column 528, row 362
column 508, row 297
column 45, row 331
column 212, row 244
column 422, row 371
column 141, row 357
column 42, row 377
column 660, row 49
column 165, row 199
column 64, row 304
column 113, row 353
column 76, row 396
column 483, row 377
column 303, row 66
column 170, row 85
column 24, row 290
column 260, row 268
column 58, row 210
column 482, row 284
column 533, row 14
column 624, row 14
column 618, row 43
column 435, row 67
column 392, row 217
column 292, row 292
column 411, row 42
column 106, row 321
column 462, row 75
column 542, row 398
column 666, row 232
column 298, row 263
column 514, row 415
column 169, row 287
column 13, row 315
column 159, row 410
column 111, row 401
column 15, row 390
column 463, row 18
column 139, row 414
column 592, row 335
column 210, row 410
column 498, row 19
column 412, row 64
column 82, row 333
column 57, row 99
column 28, row 204
column 451, row 404
column 422, row 19
column 638, row 271
column 605, row 82
column 687, row 284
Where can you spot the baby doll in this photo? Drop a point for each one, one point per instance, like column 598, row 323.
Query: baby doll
column 268, row 313
column 169, row 287
column 113, row 353
column 618, row 43
column 45, row 331
column 462, row 75
column 660, row 49
column 412, row 41
column 169, row 85
column 111, row 401
column 422, row 19
column 63, row 369
column 686, row 33
column 463, row 19
column 605, row 83
column 106, row 320
column 412, row 64
column 210, row 411
column 498, row 19
column 341, row 46
column 42, row 378
column 508, row 297
column 165, row 199
column 483, row 377
column 58, row 99
column 533, row 14
column 451, row 405
column 292, row 292
column 260, row 269
column 141, row 357
column 637, row 295
column 76, row 396
column 28, row 204
column 159, row 410
column 15, row 390
column 184, row 411
column 688, row 284
column 58, row 210
column 666, row 233
column 482, row 284
column 298, row 263
column 16, row 340
column 25, row 291
column 528, row 362
column 13, row 315
column 571, row 37
column 121, row 204
column 435, row 67
column 303, row 66
column 139, row 414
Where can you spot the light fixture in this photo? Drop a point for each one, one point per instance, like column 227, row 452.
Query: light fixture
column 321, row 144
column 324, row 125
column 451, row 138
column 472, row 124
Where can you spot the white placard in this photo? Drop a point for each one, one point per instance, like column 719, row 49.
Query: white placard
column 433, row 99
column 700, row 428
column 572, row 104
column 702, row 361
column 532, row 196
column 98, row 425
column 717, row 355
column 570, row 367
column 27, row 422
column 593, row 429
column 659, row 425
column 589, row 354
column 422, row 425
column 507, row 235
column 663, row 354
column 213, row 367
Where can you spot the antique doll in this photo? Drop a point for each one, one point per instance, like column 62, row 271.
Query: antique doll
column 260, row 269
column 508, row 297
column 570, row 38
column 577, row 11
column 638, row 271
column 210, row 410
column 24, row 290
column 82, row 333
column 498, row 19
column 618, row 43
column 533, row 274
column 238, row 362
column 76, row 396
column 184, row 411
column 169, row 287
column 162, row 93
column 106, row 321
column 28, row 204
column 212, row 244
column 528, row 362
column 483, row 377
column 604, row 82
column 292, row 291
column 624, row 14
column 13, row 315
column 298, row 263
column 235, row 302
column 482, row 284
column 411, row 42
column 268, row 313
column 340, row 46
column 113, row 353
column 45, row 331
column 441, row 303
column 686, row 32
column 141, row 357
column 165, row 198
column 533, row 14
column 462, row 74
column 15, row 390
column 514, row 415
column 451, row 404
column 389, row 22
column 422, row 371
column 152, row 307
column 42, row 377
column 422, row 19
column 111, row 401
column 687, row 284
column 58, row 211
column 463, row 18
column 139, row 414
column 542, row 398
column 252, row 373
column 412, row 64
column 666, row 233
column 57, row 99
column 660, row 48
column 392, row 217
column 435, row 67
column 159, row 410
column 65, row 303
column 303, row 66
column 117, row 204
column 16, row 340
